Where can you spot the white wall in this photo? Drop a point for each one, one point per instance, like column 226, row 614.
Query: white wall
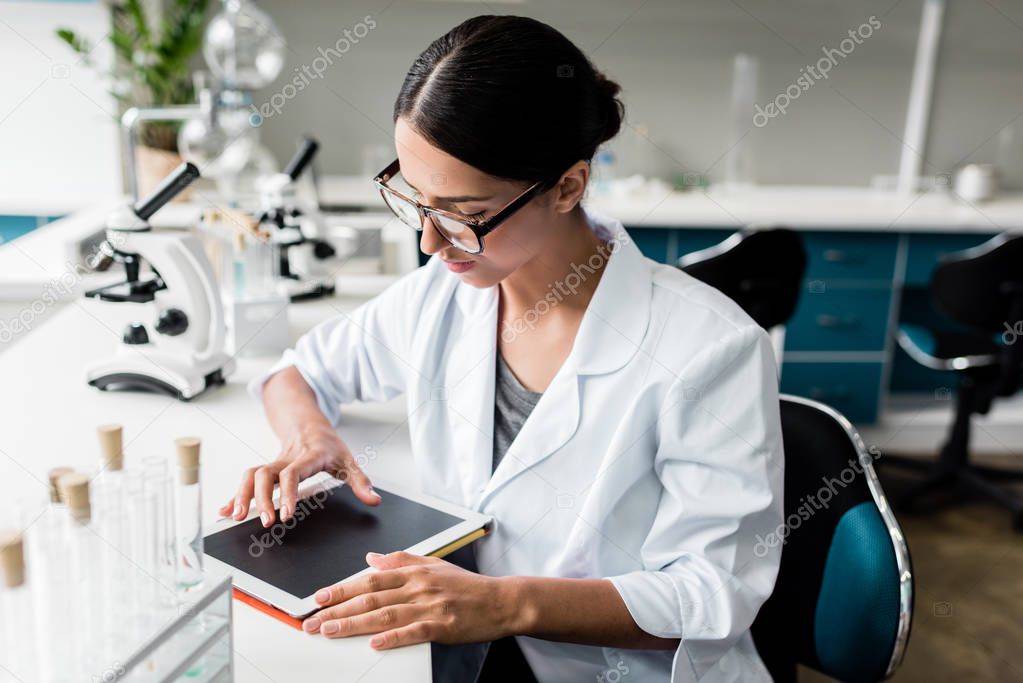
column 58, row 130
column 674, row 58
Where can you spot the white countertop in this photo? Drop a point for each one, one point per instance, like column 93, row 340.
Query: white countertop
column 50, row 415
column 811, row 207
column 44, row 256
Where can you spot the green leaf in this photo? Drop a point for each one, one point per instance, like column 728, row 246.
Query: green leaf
column 81, row 46
column 155, row 66
column 138, row 15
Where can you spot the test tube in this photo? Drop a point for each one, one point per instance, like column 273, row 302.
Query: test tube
column 157, row 483
column 83, row 570
column 110, row 478
column 107, row 502
column 188, row 509
column 239, row 266
column 48, row 557
column 261, row 268
column 17, row 633
column 139, row 516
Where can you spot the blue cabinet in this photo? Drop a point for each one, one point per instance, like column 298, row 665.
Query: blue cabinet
column 850, row 387
column 666, row 245
column 833, row 317
column 695, row 239
column 850, row 256
column 13, row 227
column 924, row 252
column 842, row 318
column 653, row 242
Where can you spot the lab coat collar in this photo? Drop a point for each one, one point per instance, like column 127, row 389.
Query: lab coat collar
column 612, row 328
column 618, row 314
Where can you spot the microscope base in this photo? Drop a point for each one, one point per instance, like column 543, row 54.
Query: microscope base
column 163, row 376
column 304, row 290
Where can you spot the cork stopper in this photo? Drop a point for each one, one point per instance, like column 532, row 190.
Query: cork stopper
column 54, row 475
column 188, row 459
column 12, row 558
column 74, row 491
column 111, row 446
column 239, row 242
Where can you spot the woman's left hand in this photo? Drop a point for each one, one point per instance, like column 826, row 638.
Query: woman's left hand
column 413, row 599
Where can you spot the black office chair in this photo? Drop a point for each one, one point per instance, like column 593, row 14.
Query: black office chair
column 843, row 601
column 760, row 269
column 980, row 290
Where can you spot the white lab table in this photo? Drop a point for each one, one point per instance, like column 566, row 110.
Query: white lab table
column 49, row 415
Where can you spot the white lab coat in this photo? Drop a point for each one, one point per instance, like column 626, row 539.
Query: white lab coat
column 654, row 458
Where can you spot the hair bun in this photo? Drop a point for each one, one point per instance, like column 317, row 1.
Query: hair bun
column 614, row 110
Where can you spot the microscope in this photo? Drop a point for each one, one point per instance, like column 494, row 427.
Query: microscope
column 182, row 353
column 296, row 253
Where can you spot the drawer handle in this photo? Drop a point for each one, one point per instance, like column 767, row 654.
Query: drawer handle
column 841, row 256
column 836, row 321
column 839, row 393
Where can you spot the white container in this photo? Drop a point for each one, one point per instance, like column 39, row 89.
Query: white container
column 976, row 182
column 257, row 326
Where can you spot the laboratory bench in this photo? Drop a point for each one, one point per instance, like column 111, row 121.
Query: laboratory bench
column 50, row 417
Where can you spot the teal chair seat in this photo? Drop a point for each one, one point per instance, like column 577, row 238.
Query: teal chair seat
column 842, row 602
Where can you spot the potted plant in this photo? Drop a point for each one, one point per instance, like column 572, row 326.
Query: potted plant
column 151, row 68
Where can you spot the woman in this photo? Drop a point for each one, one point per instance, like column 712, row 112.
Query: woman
column 617, row 418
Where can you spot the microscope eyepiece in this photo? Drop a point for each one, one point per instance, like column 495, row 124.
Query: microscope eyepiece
column 169, row 188
column 306, row 152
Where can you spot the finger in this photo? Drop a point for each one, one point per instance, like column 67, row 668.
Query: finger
column 383, row 619
column 417, row 632
column 363, row 604
column 351, row 474
column 243, row 497
column 265, row 478
column 396, row 560
column 288, row 479
column 370, row 582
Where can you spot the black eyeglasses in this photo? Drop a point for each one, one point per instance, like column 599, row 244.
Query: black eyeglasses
column 461, row 232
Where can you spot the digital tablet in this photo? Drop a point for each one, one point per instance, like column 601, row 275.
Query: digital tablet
column 327, row 539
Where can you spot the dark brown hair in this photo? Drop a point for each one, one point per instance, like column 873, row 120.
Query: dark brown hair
column 510, row 96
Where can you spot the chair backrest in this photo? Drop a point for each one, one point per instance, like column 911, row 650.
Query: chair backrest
column 982, row 287
column 842, row 603
column 761, row 270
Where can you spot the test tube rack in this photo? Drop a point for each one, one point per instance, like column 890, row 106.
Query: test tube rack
column 194, row 645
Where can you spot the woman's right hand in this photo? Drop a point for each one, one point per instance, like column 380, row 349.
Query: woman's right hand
column 313, row 448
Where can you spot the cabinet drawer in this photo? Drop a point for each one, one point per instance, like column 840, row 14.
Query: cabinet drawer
column 851, row 388
column 925, row 251
column 845, row 256
column 834, row 318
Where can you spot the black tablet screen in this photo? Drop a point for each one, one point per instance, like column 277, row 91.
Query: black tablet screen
column 327, row 540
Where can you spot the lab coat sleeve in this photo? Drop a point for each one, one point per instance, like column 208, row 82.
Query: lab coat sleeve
column 358, row 356
column 719, row 458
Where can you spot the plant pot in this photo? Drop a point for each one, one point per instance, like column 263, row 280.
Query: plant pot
column 152, row 165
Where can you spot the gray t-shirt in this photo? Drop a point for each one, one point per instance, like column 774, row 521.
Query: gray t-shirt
column 512, row 405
